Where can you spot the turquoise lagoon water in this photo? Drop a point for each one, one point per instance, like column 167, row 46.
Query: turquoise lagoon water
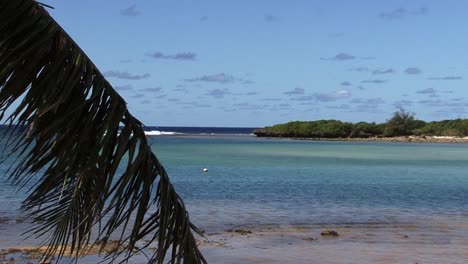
column 262, row 182
column 256, row 181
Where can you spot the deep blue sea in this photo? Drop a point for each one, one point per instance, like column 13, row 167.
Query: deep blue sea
column 262, row 182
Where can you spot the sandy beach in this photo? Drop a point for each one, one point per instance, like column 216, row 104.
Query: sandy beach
column 355, row 244
column 379, row 243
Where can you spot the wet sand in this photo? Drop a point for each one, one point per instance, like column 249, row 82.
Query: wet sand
column 379, row 243
column 382, row 244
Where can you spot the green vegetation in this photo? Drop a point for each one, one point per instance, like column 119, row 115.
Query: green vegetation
column 402, row 123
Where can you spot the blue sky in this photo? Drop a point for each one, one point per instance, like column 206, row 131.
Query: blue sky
column 257, row 63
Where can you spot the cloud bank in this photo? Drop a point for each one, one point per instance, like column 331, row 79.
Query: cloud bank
column 130, row 11
column 125, row 75
column 340, row 57
column 401, row 12
column 221, row 78
column 181, row 56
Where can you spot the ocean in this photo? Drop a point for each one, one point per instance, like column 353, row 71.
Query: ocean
column 260, row 183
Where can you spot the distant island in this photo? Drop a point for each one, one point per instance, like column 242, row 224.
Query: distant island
column 402, row 126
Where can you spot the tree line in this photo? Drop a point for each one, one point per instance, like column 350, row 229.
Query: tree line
column 402, row 123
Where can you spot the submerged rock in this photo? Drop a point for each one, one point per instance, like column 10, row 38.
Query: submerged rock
column 239, row 231
column 329, row 233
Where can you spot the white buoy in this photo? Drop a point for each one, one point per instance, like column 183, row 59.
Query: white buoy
column 205, row 170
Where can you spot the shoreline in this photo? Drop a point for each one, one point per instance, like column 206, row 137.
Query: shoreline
column 405, row 139
column 353, row 244
column 382, row 243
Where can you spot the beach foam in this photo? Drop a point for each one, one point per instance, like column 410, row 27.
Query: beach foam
column 160, row 133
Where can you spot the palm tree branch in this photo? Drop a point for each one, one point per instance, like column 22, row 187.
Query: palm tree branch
column 66, row 141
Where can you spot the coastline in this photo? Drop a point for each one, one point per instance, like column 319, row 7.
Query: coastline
column 373, row 195
column 356, row 244
column 406, row 139
column 367, row 243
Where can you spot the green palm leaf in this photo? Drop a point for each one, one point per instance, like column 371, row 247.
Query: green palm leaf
column 64, row 130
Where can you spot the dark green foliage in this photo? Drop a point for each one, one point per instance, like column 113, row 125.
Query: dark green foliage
column 320, row 128
column 456, row 127
column 71, row 148
column 364, row 129
column 402, row 123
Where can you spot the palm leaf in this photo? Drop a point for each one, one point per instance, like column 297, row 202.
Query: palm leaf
column 65, row 133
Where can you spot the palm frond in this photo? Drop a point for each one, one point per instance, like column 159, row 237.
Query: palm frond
column 65, row 132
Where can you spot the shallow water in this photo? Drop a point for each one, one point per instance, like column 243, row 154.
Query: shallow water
column 357, row 244
column 257, row 183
